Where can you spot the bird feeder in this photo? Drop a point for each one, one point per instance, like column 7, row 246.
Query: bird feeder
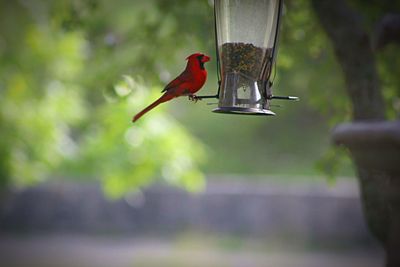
column 246, row 40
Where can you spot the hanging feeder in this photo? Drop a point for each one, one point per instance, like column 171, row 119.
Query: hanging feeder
column 246, row 40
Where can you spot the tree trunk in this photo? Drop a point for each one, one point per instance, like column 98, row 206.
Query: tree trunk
column 352, row 47
column 374, row 146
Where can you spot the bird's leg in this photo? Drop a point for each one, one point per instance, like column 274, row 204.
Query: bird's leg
column 194, row 98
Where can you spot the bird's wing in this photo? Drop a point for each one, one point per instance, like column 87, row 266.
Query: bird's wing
column 182, row 78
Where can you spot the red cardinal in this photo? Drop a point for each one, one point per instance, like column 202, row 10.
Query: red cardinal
column 187, row 83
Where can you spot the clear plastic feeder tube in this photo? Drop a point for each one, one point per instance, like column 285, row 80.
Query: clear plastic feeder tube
column 246, row 38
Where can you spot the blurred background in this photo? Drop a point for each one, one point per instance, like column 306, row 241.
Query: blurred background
column 80, row 185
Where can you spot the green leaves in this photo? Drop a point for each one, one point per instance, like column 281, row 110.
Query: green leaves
column 66, row 108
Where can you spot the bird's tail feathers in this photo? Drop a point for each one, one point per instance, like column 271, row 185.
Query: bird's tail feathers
column 162, row 99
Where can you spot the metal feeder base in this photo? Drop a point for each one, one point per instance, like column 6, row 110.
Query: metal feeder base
column 244, row 111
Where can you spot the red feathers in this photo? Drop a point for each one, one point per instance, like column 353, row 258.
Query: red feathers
column 187, row 83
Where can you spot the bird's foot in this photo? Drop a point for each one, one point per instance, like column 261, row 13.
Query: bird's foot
column 194, row 98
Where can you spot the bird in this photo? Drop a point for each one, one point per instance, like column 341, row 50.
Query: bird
column 187, row 83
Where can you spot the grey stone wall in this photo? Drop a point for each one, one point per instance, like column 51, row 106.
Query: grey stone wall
column 312, row 211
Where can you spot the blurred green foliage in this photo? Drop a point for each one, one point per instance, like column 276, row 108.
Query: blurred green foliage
column 73, row 72
column 66, row 105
